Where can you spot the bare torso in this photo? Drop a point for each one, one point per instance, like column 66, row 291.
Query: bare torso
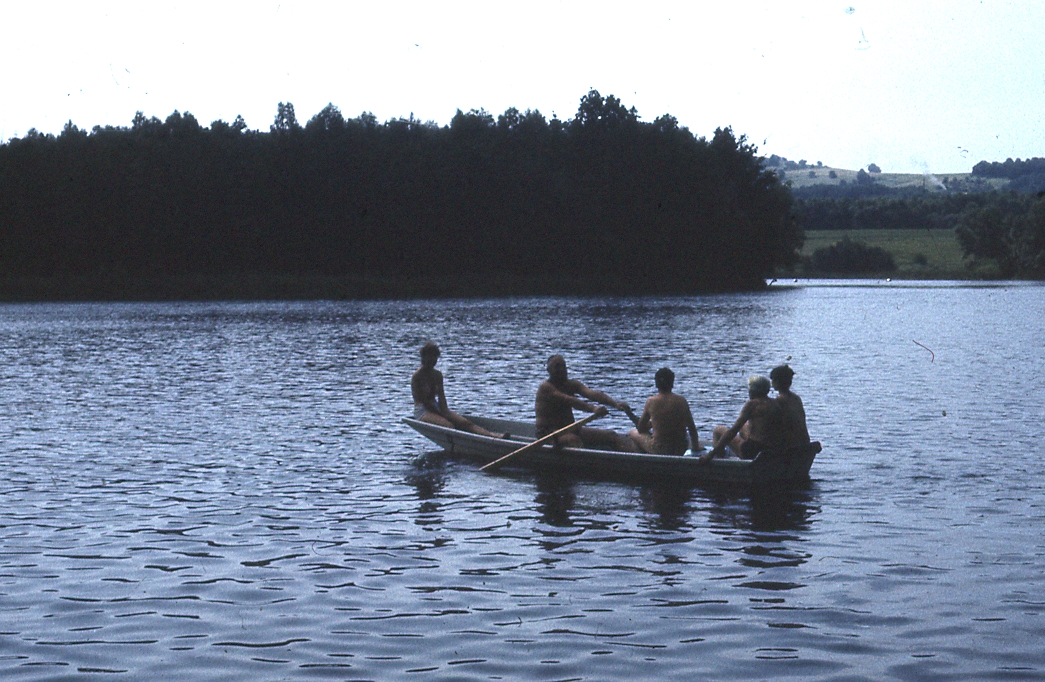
column 427, row 388
column 793, row 429
column 670, row 417
column 554, row 405
column 763, row 418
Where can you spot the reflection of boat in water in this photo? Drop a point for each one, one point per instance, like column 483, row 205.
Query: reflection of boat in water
column 768, row 468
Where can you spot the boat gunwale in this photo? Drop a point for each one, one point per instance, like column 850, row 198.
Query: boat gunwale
column 766, row 469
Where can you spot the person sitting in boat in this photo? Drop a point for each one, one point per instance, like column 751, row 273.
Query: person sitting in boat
column 793, row 431
column 669, row 416
column 430, row 400
column 556, row 400
column 756, row 429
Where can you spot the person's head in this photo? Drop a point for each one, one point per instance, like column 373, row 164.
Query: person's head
column 781, row 377
column 429, row 354
column 758, row 387
column 665, row 379
column 557, row 368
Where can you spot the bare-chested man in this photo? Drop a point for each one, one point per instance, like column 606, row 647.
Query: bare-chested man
column 760, row 416
column 430, row 401
column 556, row 400
column 793, row 431
column 670, row 418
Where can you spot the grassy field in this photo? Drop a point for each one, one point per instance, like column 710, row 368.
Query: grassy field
column 821, row 175
column 942, row 252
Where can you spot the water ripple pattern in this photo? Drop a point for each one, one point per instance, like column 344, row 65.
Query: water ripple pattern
column 225, row 491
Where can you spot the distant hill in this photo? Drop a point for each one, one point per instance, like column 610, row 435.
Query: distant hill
column 808, row 180
column 959, row 182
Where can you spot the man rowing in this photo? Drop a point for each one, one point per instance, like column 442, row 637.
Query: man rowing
column 668, row 415
column 556, row 400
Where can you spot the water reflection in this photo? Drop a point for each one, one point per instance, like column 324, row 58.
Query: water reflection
column 555, row 498
column 787, row 509
column 428, row 478
column 668, row 503
column 761, row 509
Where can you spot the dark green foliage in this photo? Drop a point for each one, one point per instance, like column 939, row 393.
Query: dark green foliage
column 601, row 202
column 925, row 211
column 1009, row 168
column 852, row 257
column 1008, row 229
column 920, row 259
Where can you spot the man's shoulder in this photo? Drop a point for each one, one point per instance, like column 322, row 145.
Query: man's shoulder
column 670, row 400
column 547, row 386
column 679, row 399
column 572, row 386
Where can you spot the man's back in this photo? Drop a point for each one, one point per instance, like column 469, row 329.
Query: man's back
column 764, row 422
column 793, row 429
column 670, row 417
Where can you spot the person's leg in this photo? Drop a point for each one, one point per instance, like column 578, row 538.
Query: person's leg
column 456, row 421
column 463, row 424
column 569, row 440
column 719, row 432
column 433, row 418
column 605, row 439
column 643, row 441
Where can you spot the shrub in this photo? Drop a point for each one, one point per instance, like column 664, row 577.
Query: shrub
column 848, row 256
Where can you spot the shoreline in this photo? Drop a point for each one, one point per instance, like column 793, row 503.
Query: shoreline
column 261, row 287
column 270, row 287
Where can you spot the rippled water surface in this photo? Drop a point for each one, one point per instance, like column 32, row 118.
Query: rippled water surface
column 225, row 491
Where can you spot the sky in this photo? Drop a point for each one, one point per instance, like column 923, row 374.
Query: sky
column 913, row 86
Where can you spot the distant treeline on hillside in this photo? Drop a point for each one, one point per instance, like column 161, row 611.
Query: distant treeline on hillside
column 1009, row 168
column 1024, row 175
column 917, row 211
column 514, row 204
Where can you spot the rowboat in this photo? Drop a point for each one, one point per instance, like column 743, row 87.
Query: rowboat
column 769, row 468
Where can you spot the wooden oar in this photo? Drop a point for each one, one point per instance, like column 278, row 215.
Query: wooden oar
column 631, row 415
column 498, row 463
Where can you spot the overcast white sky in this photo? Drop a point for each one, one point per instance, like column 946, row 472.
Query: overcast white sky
column 912, row 86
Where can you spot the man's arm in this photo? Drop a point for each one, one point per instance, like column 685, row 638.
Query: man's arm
column 598, row 396
column 646, row 420
column 727, row 438
column 549, row 392
column 440, row 397
column 694, row 439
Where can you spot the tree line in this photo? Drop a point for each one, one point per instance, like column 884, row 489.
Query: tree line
column 924, row 210
column 1009, row 168
column 1005, row 227
column 520, row 203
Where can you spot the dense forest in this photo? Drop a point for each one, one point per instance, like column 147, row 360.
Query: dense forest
column 343, row 207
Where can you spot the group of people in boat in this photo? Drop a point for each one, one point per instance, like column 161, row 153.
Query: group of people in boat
column 666, row 426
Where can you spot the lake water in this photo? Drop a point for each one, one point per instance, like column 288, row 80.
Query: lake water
column 225, row 491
